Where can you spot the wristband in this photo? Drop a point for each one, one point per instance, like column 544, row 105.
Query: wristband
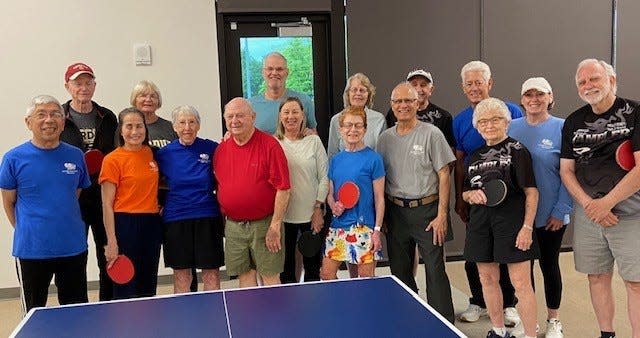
column 377, row 228
column 527, row 226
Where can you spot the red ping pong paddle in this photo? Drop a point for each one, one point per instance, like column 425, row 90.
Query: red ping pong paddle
column 624, row 155
column 496, row 192
column 121, row 271
column 94, row 159
column 348, row 194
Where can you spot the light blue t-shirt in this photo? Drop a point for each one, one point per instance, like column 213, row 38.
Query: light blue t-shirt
column 468, row 139
column 189, row 174
column 267, row 110
column 543, row 142
column 361, row 167
column 48, row 219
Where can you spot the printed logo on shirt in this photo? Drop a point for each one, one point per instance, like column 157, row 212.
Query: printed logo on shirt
column 601, row 131
column 546, row 143
column 159, row 143
column 417, row 150
column 70, row 168
column 88, row 136
column 204, row 158
column 495, row 158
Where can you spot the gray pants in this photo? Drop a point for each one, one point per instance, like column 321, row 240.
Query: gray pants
column 405, row 231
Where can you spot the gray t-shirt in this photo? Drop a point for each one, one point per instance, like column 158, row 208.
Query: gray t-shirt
column 86, row 123
column 412, row 161
column 161, row 133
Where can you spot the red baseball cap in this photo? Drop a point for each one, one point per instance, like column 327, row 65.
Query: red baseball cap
column 77, row 69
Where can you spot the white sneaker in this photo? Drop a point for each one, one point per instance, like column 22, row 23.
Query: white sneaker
column 473, row 313
column 511, row 317
column 554, row 329
column 518, row 330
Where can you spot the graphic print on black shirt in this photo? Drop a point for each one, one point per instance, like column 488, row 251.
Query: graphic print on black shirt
column 508, row 160
column 592, row 139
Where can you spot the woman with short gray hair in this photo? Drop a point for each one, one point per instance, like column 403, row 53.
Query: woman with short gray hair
column 501, row 233
column 192, row 220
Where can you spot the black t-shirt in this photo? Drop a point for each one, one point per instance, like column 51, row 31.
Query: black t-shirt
column 592, row 139
column 434, row 115
column 508, row 160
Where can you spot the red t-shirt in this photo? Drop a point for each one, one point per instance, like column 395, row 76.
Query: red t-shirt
column 249, row 175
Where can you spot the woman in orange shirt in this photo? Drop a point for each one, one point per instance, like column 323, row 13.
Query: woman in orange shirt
column 129, row 181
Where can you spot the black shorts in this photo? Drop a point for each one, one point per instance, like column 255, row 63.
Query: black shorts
column 194, row 243
column 492, row 232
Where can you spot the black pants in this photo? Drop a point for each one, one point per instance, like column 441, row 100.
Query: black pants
column 508, row 292
column 550, row 242
column 70, row 278
column 311, row 264
column 139, row 238
column 92, row 217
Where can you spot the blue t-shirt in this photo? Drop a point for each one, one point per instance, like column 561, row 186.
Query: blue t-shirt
column 267, row 110
column 361, row 167
column 543, row 142
column 188, row 171
column 468, row 139
column 48, row 219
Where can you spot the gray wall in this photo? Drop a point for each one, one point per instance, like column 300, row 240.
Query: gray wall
column 518, row 39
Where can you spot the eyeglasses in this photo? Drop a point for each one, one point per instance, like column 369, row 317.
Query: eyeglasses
column 358, row 90
column 276, row 69
column 493, row 121
column 356, row 126
column 405, row 101
column 56, row 115
column 477, row 83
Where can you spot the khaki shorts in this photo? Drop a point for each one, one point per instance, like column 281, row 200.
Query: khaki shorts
column 245, row 248
column 595, row 248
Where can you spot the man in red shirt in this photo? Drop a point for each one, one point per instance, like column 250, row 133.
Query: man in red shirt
column 253, row 191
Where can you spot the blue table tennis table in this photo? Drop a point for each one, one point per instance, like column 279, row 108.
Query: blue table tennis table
column 371, row 307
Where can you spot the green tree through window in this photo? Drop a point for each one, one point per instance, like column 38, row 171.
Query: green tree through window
column 297, row 50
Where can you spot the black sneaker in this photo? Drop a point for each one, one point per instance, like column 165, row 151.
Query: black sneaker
column 493, row 334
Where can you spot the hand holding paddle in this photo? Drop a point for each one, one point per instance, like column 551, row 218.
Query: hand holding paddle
column 121, row 270
column 491, row 194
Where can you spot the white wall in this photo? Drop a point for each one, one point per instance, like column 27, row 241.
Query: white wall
column 39, row 39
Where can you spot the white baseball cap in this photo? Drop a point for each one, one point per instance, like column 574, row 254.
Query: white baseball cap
column 420, row 72
column 537, row 83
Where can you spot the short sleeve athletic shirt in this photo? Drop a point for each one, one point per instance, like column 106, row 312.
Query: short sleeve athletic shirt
column 592, row 139
column 508, row 160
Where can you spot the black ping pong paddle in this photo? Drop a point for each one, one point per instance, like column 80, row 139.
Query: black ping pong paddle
column 309, row 243
column 496, row 192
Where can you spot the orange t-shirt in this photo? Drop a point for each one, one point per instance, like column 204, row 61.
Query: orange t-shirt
column 135, row 174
